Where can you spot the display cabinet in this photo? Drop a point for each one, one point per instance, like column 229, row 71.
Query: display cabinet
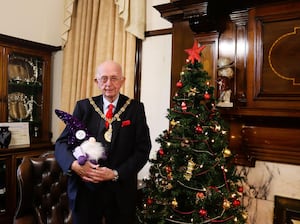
column 25, row 74
column 25, row 86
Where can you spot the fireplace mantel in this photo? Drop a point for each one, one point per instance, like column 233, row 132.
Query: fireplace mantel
column 264, row 44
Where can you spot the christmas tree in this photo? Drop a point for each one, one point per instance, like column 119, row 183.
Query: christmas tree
column 193, row 178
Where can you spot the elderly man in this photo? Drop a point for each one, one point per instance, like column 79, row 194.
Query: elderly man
column 107, row 190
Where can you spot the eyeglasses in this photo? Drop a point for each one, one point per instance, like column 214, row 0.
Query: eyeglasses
column 104, row 79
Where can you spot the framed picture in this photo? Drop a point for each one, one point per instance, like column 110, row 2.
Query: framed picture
column 19, row 133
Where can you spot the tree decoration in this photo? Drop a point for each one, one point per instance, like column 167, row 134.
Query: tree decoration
column 189, row 171
column 183, row 106
column 194, row 52
column 174, row 203
column 206, row 96
column 161, row 152
column 192, row 91
column 240, row 189
column 149, row 201
column 226, row 152
column 226, row 204
column 173, row 123
column 236, row 203
column 193, row 179
column 200, row 195
column 199, row 129
column 179, row 84
column 202, row 212
column 245, row 215
column 169, row 172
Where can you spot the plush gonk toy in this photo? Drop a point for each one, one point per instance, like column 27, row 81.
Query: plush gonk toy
column 89, row 150
column 85, row 147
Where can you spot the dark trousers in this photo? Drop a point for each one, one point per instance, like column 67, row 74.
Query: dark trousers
column 99, row 206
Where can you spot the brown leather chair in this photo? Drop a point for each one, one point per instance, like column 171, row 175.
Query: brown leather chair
column 42, row 192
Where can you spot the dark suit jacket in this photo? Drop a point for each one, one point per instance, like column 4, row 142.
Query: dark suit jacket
column 127, row 153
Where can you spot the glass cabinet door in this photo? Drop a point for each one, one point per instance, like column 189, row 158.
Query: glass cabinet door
column 25, row 90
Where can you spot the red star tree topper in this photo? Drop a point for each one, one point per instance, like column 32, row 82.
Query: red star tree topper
column 194, row 52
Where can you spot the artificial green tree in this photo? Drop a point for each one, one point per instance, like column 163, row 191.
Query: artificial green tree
column 193, row 178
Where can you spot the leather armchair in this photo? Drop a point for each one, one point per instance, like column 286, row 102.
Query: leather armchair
column 42, row 192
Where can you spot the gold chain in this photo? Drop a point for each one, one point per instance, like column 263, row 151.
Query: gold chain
column 115, row 117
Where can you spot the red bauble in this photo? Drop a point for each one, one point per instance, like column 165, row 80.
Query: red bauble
column 236, row 203
column 179, row 84
column 198, row 129
column 168, row 169
column 161, row 152
column 240, row 189
column 206, row 96
column 200, row 195
column 149, row 201
column 202, row 212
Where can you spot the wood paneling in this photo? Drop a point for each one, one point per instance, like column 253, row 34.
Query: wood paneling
column 264, row 121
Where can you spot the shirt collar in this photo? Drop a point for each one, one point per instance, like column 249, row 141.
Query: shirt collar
column 106, row 103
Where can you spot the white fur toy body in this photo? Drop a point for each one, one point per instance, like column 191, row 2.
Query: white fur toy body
column 89, row 150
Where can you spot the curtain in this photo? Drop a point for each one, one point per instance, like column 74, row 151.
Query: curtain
column 68, row 11
column 97, row 33
column 133, row 12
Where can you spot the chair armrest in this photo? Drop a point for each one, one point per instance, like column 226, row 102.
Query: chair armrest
column 24, row 177
column 27, row 219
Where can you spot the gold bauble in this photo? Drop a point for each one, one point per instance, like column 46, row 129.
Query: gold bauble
column 226, row 204
column 169, row 186
column 245, row 215
column 173, row 122
column 226, row 152
column 174, row 203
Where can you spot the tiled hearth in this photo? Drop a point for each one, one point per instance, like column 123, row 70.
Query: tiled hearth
column 265, row 181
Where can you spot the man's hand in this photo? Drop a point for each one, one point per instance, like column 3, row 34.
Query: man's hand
column 100, row 174
column 92, row 173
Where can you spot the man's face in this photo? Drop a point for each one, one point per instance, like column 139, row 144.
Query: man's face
column 109, row 79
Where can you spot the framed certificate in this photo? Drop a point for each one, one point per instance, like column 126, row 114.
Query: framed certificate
column 19, row 133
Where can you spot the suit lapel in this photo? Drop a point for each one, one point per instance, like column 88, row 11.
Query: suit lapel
column 101, row 123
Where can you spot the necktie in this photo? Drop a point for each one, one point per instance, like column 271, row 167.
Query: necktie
column 109, row 114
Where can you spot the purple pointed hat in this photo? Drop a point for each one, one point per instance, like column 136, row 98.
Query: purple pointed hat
column 77, row 130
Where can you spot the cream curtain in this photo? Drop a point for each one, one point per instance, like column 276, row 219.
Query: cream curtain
column 133, row 12
column 97, row 33
column 68, row 11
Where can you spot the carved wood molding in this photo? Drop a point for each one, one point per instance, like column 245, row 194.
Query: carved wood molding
column 182, row 10
column 203, row 16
